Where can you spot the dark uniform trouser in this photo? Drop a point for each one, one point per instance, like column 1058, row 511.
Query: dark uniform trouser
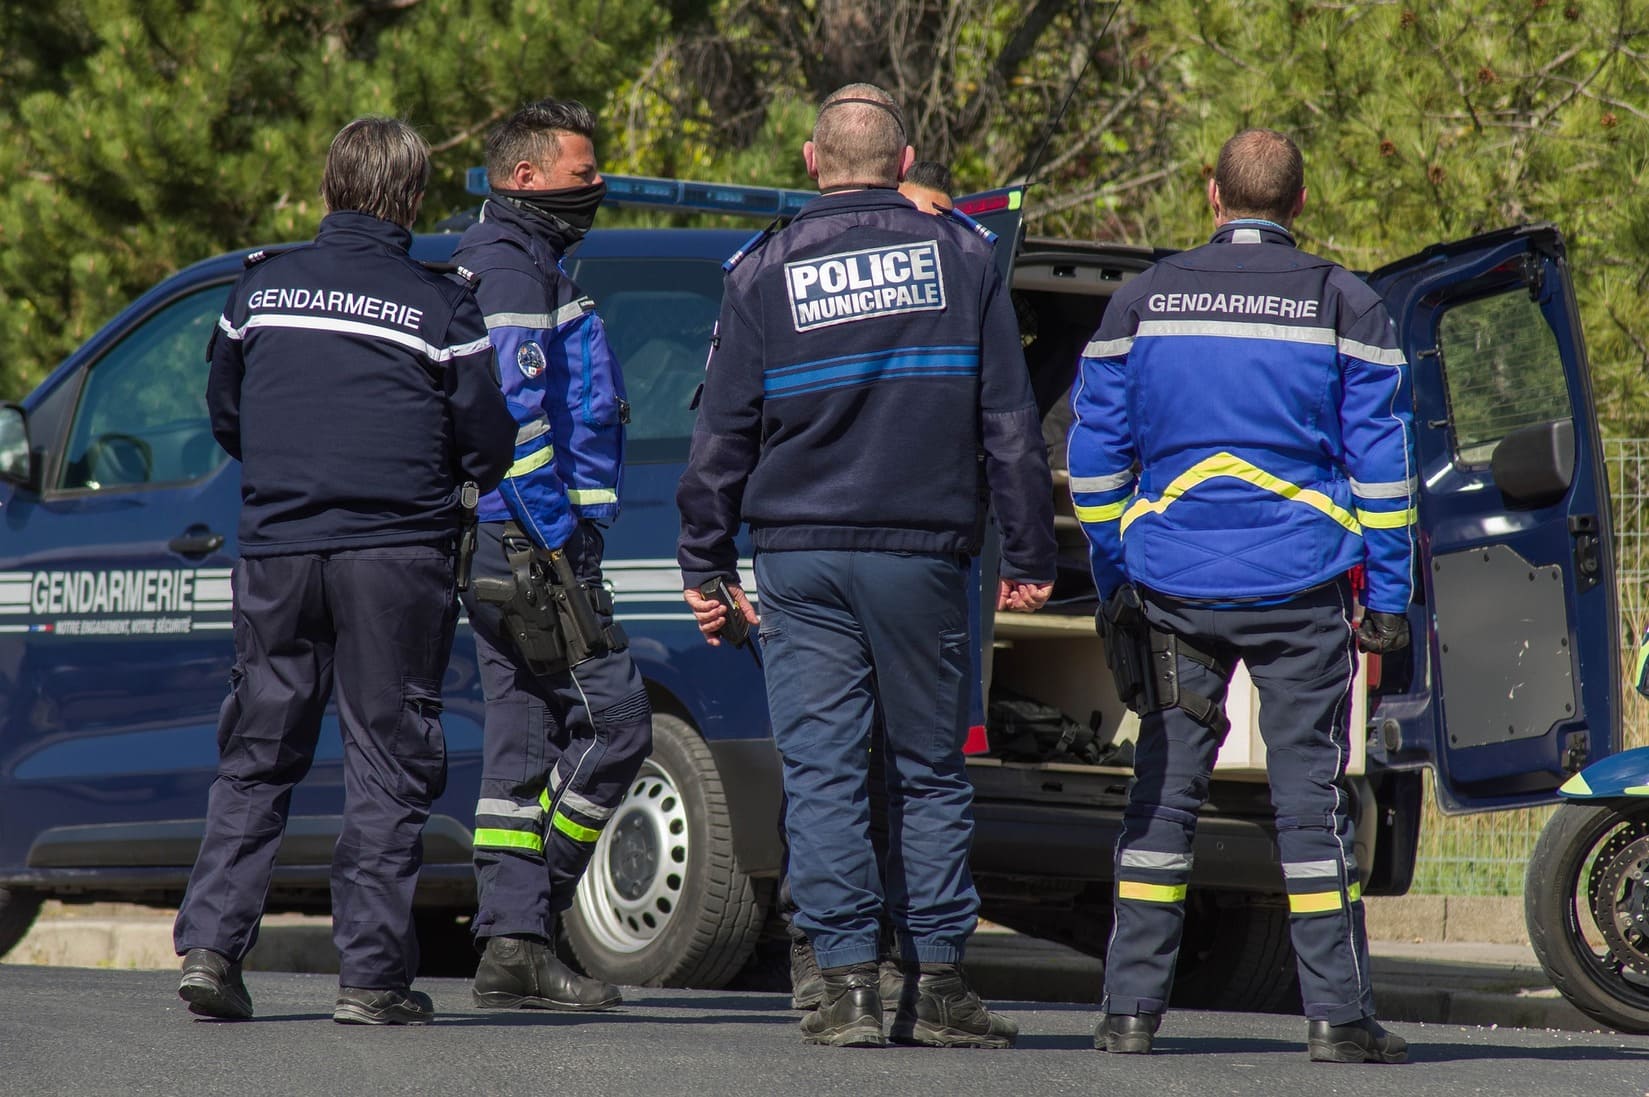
column 846, row 635
column 1301, row 656
column 560, row 754
column 379, row 623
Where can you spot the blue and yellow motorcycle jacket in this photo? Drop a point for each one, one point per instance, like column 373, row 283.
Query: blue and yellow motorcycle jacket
column 1244, row 428
column 560, row 378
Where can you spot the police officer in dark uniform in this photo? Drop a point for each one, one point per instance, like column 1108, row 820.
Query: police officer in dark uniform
column 561, row 748
column 1242, row 443
column 865, row 356
column 356, row 388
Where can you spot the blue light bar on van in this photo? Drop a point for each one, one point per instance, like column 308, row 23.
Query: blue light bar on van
column 682, row 194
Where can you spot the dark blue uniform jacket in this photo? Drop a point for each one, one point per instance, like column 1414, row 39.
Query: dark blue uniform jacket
column 866, row 384
column 356, row 388
column 563, row 382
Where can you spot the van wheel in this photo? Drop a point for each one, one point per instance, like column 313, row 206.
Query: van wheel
column 664, row 902
column 17, row 913
column 1235, row 955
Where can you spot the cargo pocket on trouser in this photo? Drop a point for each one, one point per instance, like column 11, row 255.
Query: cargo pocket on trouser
column 953, row 674
column 229, row 712
column 420, row 747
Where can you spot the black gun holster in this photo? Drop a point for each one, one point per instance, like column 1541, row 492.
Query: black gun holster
column 554, row 619
column 1144, row 662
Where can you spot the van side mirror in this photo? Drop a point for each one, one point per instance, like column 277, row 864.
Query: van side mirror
column 1534, row 465
column 16, row 456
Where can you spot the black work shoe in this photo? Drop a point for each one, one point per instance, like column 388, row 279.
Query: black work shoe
column 523, row 973
column 850, row 1014
column 806, row 985
column 212, row 986
column 892, row 981
column 1361, row 1041
column 947, row 1013
column 1126, row 1033
column 363, row 1006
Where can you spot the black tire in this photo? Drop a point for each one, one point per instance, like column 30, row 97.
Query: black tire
column 1236, row 955
column 665, row 902
column 17, row 913
column 1581, row 848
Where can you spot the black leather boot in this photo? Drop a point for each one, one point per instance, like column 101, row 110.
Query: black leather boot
column 1361, row 1041
column 523, row 973
column 946, row 1012
column 363, row 1006
column 806, row 984
column 850, row 1014
column 1126, row 1033
column 213, row 987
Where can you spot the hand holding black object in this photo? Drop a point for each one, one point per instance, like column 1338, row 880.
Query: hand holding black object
column 1383, row 632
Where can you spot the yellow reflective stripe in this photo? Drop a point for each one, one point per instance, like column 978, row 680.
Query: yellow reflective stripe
column 1320, row 902
column 533, row 461
column 576, row 831
column 1016, row 199
column 1229, row 464
column 1637, row 790
column 1316, row 902
column 585, row 497
column 1576, row 786
column 509, row 839
column 1150, row 893
column 544, row 799
column 1387, row 519
column 1643, row 659
column 1109, row 512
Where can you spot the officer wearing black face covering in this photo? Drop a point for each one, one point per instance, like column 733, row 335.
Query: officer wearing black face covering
column 560, row 748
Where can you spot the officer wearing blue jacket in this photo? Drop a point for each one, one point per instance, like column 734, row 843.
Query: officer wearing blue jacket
column 357, row 390
column 560, row 750
column 1242, row 442
column 865, row 356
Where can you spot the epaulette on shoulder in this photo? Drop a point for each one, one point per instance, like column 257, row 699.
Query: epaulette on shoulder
column 751, row 245
column 461, row 271
column 261, row 254
column 973, row 226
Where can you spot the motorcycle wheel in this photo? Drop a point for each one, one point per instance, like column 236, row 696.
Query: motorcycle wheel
column 1586, row 902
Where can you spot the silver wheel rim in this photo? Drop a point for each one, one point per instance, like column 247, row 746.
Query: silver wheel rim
column 634, row 883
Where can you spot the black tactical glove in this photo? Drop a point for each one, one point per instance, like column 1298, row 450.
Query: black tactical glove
column 1383, row 632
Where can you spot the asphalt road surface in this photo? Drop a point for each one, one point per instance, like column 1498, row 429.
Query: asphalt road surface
column 88, row 1032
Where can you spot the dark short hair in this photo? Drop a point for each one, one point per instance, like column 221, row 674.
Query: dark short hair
column 931, row 174
column 377, row 166
column 859, row 142
column 529, row 134
column 1259, row 173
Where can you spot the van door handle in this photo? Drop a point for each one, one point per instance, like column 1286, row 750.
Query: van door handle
column 196, row 541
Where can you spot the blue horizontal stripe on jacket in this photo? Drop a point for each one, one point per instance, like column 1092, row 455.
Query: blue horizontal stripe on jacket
column 832, row 373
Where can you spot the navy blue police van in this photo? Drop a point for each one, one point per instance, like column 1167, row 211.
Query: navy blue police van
column 117, row 537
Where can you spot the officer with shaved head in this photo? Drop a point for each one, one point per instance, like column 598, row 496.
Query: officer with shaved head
column 866, row 355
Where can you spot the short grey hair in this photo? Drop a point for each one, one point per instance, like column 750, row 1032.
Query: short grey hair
column 859, row 142
column 529, row 134
column 378, row 166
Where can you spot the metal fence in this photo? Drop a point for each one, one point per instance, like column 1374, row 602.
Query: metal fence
column 1487, row 854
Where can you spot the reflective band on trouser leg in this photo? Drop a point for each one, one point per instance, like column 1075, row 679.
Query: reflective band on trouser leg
column 491, row 838
column 1150, row 893
column 1323, row 902
column 578, row 832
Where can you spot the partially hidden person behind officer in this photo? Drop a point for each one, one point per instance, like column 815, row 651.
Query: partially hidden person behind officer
column 564, row 738
column 1241, row 443
column 356, row 388
column 865, row 355
column 927, row 185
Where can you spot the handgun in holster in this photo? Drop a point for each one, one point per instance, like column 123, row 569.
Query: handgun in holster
column 554, row 619
column 1144, row 662
column 468, row 497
